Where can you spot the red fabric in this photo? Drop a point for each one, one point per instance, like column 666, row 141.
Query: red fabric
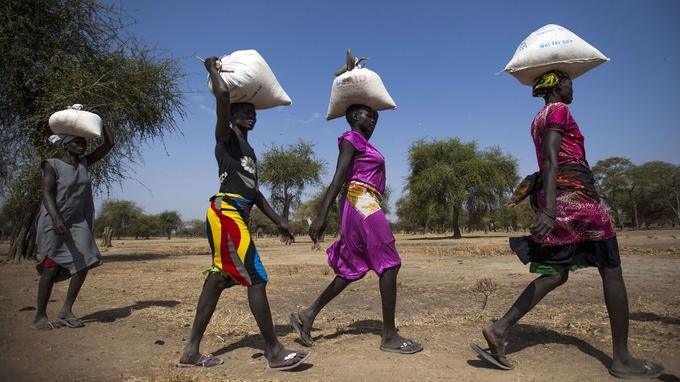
column 49, row 263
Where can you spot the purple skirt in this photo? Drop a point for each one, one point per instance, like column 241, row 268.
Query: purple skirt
column 366, row 241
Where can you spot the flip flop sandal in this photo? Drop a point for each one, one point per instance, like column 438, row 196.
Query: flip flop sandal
column 493, row 358
column 408, row 347
column 206, row 361
column 645, row 374
column 286, row 363
column 71, row 322
column 43, row 327
column 305, row 337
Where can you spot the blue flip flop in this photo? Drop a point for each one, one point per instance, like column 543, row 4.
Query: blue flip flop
column 286, row 363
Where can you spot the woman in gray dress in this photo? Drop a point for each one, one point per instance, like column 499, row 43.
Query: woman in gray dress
column 64, row 227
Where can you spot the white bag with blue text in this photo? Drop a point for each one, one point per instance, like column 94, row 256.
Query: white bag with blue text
column 553, row 47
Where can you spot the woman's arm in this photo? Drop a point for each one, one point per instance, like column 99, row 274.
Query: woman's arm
column 101, row 151
column 223, row 98
column 345, row 158
column 284, row 229
column 48, row 184
column 545, row 222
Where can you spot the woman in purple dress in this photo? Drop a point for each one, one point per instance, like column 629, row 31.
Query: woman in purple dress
column 366, row 241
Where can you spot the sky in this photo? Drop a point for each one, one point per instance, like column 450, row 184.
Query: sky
column 439, row 60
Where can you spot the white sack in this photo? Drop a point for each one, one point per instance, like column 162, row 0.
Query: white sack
column 549, row 48
column 250, row 79
column 358, row 86
column 74, row 121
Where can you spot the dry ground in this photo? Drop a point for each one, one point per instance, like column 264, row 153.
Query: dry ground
column 138, row 308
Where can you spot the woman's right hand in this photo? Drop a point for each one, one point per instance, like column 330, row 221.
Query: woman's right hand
column 211, row 62
column 543, row 226
column 317, row 228
column 59, row 227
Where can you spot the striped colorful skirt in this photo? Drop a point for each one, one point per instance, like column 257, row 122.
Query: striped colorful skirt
column 233, row 249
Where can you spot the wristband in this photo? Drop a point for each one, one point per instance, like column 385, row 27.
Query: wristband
column 551, row 217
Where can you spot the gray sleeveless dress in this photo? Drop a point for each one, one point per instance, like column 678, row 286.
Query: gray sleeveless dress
column 77, row 249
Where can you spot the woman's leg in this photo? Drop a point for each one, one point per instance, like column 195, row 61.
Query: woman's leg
column 308, row 315
column 388, row 293
column 45, row 285
column 496, row 334
column 616, row 299
column 74, row 286
column 277, row 355
column 210, row 295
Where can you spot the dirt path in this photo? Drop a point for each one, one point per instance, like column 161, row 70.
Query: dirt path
column 139, row 306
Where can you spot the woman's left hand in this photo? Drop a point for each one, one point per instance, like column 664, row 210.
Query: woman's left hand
column 287, row 235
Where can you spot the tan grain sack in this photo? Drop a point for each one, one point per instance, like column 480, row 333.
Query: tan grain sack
column 250, row 79
column 74, row 121
column 358, row 86
column 549, row 48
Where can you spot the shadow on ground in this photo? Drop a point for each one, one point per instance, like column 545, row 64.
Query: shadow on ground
column 524, row 336
column 133, row 257
column 642, row 316
column 111, row 315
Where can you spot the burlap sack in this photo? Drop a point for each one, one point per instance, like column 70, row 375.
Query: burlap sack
column 358, row 86
column 250, row 79
column 549, row 48
column 74, row 121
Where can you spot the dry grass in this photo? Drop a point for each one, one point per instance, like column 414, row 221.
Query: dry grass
column 142, row 302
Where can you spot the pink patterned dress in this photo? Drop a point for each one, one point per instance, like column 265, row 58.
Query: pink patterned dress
column 366, row 241
column 583, row 234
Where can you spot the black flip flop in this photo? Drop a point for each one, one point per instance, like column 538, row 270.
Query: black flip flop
column 492, row 357
column 305, row 337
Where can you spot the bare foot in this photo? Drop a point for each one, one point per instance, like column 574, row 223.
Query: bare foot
column 496, row 346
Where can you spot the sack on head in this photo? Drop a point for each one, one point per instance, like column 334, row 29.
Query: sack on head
column 553, row 47
column 358, row 86
column 74, row 121
column 250, row 80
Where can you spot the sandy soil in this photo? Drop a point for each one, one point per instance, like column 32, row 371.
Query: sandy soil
column 139, row 306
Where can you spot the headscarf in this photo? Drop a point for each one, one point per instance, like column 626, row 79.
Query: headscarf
column 546, row 81
column 60, row 140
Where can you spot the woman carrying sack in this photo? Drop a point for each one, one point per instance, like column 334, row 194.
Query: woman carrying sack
column 64, row 229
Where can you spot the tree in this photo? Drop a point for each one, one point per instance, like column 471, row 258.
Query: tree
column 311, row 208
column 287, row 171
column 659, row 201
column 194, row 228
column 259, row 224
column 611, row 177
column 122, row 216
column 57, row 53
column 169, row 221
column 450, row 174
column 145, row 226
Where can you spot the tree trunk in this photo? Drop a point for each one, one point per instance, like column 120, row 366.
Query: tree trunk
column 106, row 237
column 635, row 214
column 22, row 241
column 456, row 228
